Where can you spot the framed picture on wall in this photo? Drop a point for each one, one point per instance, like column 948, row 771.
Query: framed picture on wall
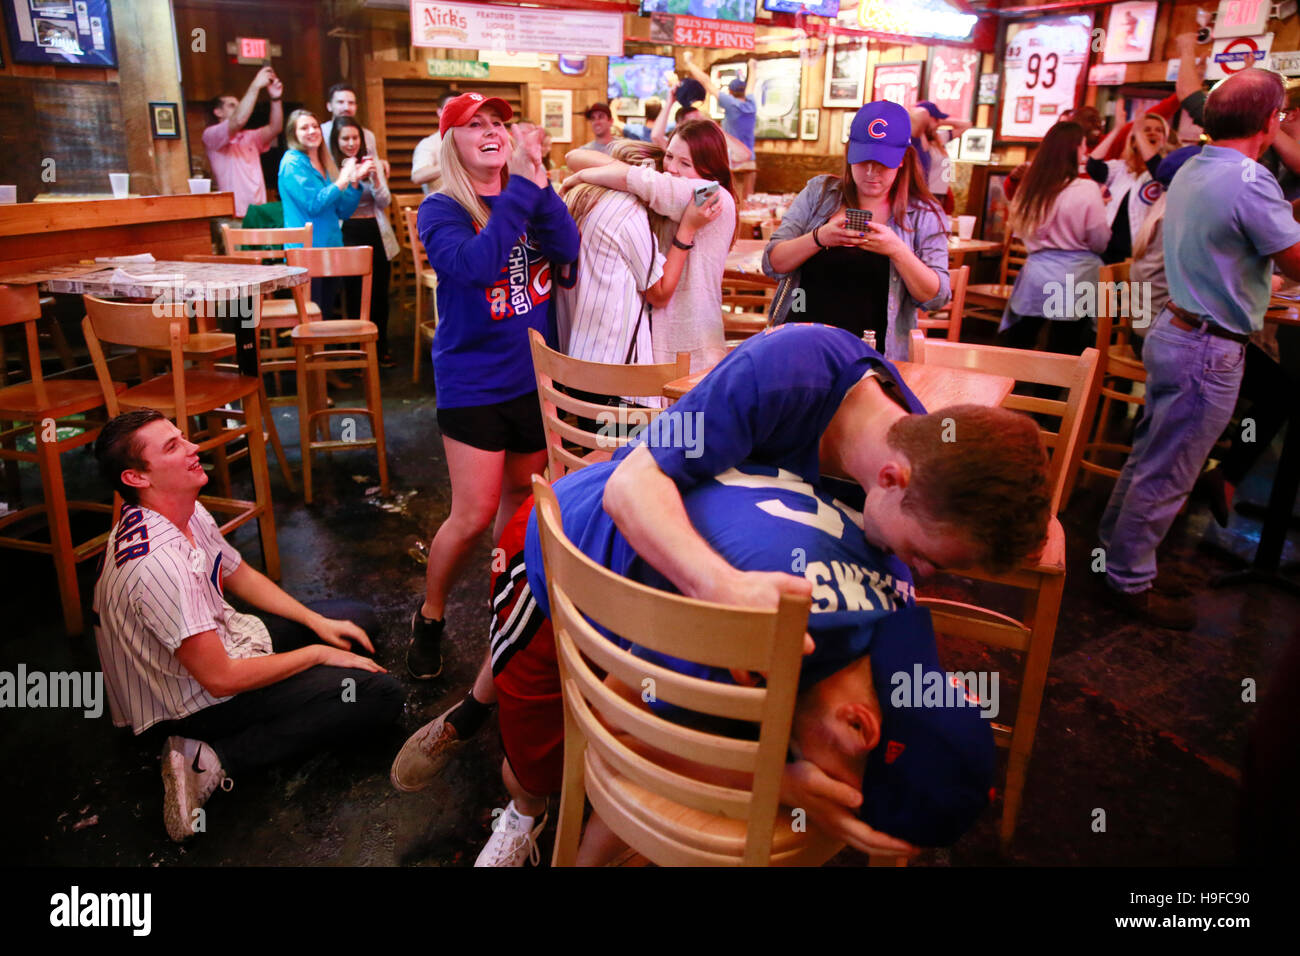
column 775, row 87
column 163, row 121
column 1129, row 30
column 846, row 71
column 951, row 80
column 898, row 82
column 61, row 32
column 1044, row 67
column 976, row 145
column 809, row 123
column 557, row 114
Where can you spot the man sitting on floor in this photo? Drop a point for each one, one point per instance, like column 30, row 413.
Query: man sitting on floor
column 233, row 693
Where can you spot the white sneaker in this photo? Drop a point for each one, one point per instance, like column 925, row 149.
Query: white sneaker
column 190, row 772
column 513, row 841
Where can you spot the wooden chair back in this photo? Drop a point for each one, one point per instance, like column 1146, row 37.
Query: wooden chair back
column 584, row 596
column 332, row 262
column 563, row 414
column 1070, row 372
column 417, row 247
column 948, row 319
column 234, row 258
column 160, row 327
column 21, row 305
column 1014, row 255
column 747, row 295
column 235, row 239
column 1114, row 323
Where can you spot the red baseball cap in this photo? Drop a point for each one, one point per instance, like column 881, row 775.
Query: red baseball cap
column 457, row 112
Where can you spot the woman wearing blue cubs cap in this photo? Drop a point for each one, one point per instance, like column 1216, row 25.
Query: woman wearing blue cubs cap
column 871, row 279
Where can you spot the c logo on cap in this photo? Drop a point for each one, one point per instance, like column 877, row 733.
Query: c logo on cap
column 872, row 131
column 476, row 96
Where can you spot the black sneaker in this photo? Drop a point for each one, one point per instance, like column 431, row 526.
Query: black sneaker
column 424, row 654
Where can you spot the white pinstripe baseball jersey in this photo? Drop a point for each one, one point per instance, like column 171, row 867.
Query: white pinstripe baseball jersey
column 597, row 312
column 155, row 591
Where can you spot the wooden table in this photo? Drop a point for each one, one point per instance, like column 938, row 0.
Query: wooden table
column 234, row 285
column 934, row 385
column 959, row 249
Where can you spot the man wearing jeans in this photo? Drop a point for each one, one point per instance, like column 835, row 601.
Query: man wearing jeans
column 234, row 694
column 1226, row 225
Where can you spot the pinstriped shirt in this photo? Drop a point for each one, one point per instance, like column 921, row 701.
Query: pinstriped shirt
column 156, row 590
column 602, row 299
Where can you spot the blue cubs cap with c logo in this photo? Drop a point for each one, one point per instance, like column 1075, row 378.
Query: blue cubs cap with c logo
column 881, row 132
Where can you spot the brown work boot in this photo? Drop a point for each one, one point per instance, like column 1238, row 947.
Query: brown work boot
column 425, row 753
column 1155, row 608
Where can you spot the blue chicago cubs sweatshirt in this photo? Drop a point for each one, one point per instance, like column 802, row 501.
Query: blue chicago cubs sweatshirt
column 494, row 284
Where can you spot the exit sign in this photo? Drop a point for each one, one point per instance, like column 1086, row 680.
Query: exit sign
column 1241, row 18
column 252, row 49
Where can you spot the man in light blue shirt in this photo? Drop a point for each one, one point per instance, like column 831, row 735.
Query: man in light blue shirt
column 1226, row 225
column 740, row 112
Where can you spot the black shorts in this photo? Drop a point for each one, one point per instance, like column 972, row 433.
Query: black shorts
column 515, row 425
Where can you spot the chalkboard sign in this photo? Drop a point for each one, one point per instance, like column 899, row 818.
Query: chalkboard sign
column 63, row 32
column 60, row 136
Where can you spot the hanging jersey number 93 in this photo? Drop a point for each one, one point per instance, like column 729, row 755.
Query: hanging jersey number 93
column 1047, row 66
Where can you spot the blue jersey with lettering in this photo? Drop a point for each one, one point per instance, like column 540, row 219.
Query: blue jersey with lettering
column 494, row 284
column 758, row 518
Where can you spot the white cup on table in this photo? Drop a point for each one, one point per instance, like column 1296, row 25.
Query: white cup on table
column 8, row 195
column 121, row 184
column 200, row 185
column 965, row 227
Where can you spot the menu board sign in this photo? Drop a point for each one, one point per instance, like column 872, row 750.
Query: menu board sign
column 1043, row 69
column 463, row 26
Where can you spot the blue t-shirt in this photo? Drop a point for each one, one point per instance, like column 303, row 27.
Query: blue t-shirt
column 1225, row 219
column 308, row 197
column 768, row 401
column 739, row 116
column 494, row 285
column 758, row 518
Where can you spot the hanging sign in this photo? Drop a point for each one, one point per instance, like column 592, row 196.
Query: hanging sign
column 462, row 26
column 696, row 31
column 1241, row 18
column 1237, row 54
column 462, row 69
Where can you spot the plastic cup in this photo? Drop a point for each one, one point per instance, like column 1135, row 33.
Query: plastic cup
column 965, row 227
column 120, row 183
column 200, row 185
column 8, row 195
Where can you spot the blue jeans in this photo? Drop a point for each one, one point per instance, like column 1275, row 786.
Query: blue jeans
column 1192, row 384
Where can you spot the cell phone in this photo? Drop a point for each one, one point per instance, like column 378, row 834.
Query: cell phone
column 706, row 192
column 857, row 219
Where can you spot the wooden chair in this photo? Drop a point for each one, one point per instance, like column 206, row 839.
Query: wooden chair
column 1041, row 581
column 564, row 414
column 426, row 282
column 747, row 295
column 315, row 344
column 1117, row 364
column 948, row 319
column 183, row 393
column 38, row 408
column 627, row 760
column 403, row 267
column 988, row 302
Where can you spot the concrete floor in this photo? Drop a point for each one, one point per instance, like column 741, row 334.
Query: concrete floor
column 1145, row 724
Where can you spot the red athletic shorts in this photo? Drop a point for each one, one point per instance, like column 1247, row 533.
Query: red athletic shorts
column 525, row 671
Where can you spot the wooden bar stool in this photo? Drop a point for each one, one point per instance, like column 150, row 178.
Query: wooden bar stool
column 314, row 357
column 182, row 393
column 38, row 408
column 425, row 278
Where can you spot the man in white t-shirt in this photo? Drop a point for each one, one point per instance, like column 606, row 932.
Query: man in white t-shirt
column 426, row 161
column 231, row 692
column 235, row 153
column 343, row 102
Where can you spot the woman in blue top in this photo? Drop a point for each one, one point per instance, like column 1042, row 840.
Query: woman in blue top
column 313, row 190
column 491, row 233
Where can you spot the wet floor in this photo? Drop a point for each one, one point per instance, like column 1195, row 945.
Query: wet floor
column 1145, row 725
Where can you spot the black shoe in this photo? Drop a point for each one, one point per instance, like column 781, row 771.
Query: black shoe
column 1154, row 608
column 424, row 654
column 1210, row 487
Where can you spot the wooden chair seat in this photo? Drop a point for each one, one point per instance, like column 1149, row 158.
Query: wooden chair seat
column 336, row 330
column 203, row 388
column 742, row 325
column 1121, row 360
column 64, row 396
column 283, row 313
column 209, row 344
column 988, row 293
column 666, row 825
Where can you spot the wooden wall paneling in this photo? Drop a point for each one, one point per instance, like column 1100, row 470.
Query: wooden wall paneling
column 20, row 149
column 147, row 72
column 79, row 126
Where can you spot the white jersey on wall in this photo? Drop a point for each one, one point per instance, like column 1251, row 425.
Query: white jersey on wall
column 1041, row 70
column 156, row 590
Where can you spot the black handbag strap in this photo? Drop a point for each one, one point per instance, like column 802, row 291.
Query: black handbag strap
column 636, row 329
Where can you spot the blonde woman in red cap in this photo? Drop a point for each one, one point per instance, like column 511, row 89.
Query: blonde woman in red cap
column 491, row 233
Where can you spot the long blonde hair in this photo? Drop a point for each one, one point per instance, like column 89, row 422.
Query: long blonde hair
column 1132, row 158
column 322, row 151
column 456, row 181
column 583, row 197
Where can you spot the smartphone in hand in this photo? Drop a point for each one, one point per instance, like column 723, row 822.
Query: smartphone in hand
column 857, row 219
column 706, row 192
